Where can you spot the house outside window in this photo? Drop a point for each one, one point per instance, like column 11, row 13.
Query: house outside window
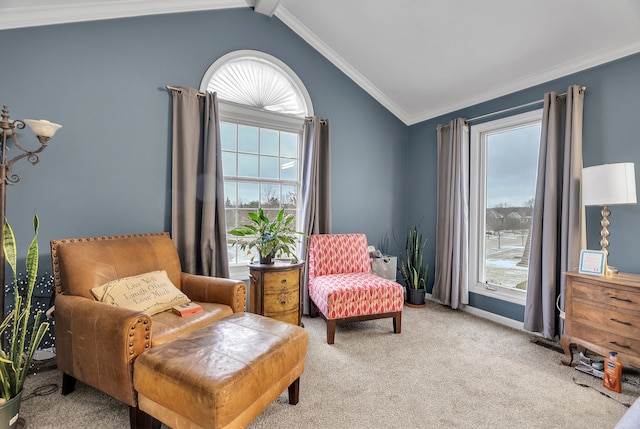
column 504, row 163
column 262, row 106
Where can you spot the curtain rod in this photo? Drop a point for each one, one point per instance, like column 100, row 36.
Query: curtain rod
column 522, row 106
column 310, row 119
column 175, row 88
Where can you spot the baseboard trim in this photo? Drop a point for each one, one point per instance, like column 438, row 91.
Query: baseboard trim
column 515, row 324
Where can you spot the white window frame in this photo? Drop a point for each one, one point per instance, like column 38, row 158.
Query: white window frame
column 477, row 203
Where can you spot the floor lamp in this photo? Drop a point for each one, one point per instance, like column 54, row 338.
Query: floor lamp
column 606, row 185
column 43, row 130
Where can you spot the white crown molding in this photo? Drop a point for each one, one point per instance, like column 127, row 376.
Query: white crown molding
column 313, row 40
column 552, row 73
column 266, row 7
column 75, row 12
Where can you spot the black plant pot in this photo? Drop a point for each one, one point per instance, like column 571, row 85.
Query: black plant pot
column 415, row 296
column 267, row 260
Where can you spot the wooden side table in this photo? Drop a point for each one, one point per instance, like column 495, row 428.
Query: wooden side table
column 276, row 291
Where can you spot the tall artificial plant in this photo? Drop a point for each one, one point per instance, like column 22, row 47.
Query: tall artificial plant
column 413, row 270
column 16, row 360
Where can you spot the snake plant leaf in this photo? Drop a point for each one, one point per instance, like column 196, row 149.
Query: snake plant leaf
column 9, row 246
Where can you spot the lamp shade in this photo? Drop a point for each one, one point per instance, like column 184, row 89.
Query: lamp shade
column 609, row 184
column 42, row 127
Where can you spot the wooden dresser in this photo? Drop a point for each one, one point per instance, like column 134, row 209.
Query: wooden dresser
column 276, row 291
column 602, row 314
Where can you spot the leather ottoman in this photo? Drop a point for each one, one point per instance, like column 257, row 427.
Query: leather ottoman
column 222, row 375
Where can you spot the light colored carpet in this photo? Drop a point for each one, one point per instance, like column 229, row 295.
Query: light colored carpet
column 448, row 369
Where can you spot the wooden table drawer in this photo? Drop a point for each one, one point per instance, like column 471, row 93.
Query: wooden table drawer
column 288, row 279
column 606, row 339
column 623, row 322
column 282, row 298
column 606, row 296
column 290, row 316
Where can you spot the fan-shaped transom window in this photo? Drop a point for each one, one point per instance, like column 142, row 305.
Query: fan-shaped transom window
column 257, row 80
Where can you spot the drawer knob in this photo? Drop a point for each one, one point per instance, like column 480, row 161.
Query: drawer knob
column 283, row 302
column 624, row 346
column 283, row 281
column 613, row 319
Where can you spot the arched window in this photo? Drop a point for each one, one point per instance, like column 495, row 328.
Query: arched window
column 262, row 105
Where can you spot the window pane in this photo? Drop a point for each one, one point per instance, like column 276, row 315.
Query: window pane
column 247, row 139
column 229, row 163
column 232, row 251
column 289, row 196
column 228, row 136
column 248, row 195
column 270, row 196
column 288, row 169
column 288, row 145
column 268, row 167
column 511, row 168
column 230, row 217
column 268, row 142
column 247, row 165
column 230, row 193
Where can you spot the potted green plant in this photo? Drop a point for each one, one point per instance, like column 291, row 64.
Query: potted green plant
column 412, row 268
column 18, row 347
column 270, row 238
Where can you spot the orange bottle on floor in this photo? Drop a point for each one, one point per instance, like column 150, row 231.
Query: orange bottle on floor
column 612, row 373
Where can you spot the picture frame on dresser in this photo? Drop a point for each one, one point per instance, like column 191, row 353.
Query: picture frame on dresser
column 593, row 262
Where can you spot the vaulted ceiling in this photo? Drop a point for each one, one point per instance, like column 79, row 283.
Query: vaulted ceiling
column 418, row 58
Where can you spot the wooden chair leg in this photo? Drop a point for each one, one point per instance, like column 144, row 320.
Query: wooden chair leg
column 68, row 384
column 138, row 419
column 397, row 322
column 331, row 331
column 294, row 392
column 313, row 309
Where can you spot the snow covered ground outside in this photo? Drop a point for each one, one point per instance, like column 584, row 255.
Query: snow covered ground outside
column 502, row 259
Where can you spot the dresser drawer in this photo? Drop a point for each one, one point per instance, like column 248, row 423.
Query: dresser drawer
column 623, row 322
column 290, row 316
column 281, row 298
column 606, row 296
column 282, row 279
column 608, row 340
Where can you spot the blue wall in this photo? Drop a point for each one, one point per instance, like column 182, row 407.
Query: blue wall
column 107, row 171
column 611, row 115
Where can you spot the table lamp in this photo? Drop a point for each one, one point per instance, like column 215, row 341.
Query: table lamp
column 606, row 185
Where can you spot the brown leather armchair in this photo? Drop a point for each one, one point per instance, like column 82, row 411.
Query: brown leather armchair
column 97, row 343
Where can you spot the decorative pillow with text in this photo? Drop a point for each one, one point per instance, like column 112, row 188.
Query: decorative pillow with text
column 150, row 292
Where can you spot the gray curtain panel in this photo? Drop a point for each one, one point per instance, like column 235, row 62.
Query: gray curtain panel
column 557, row 231
column 316, row 185
column 197, row 192
column 451, row 280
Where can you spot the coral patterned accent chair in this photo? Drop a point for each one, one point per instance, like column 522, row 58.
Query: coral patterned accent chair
column 343, row 288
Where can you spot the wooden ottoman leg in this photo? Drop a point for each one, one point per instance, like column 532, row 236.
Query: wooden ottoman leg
column 138, row 419
column 331, row 331
column 294, row 392
column 397, row 322
column 68, row 384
